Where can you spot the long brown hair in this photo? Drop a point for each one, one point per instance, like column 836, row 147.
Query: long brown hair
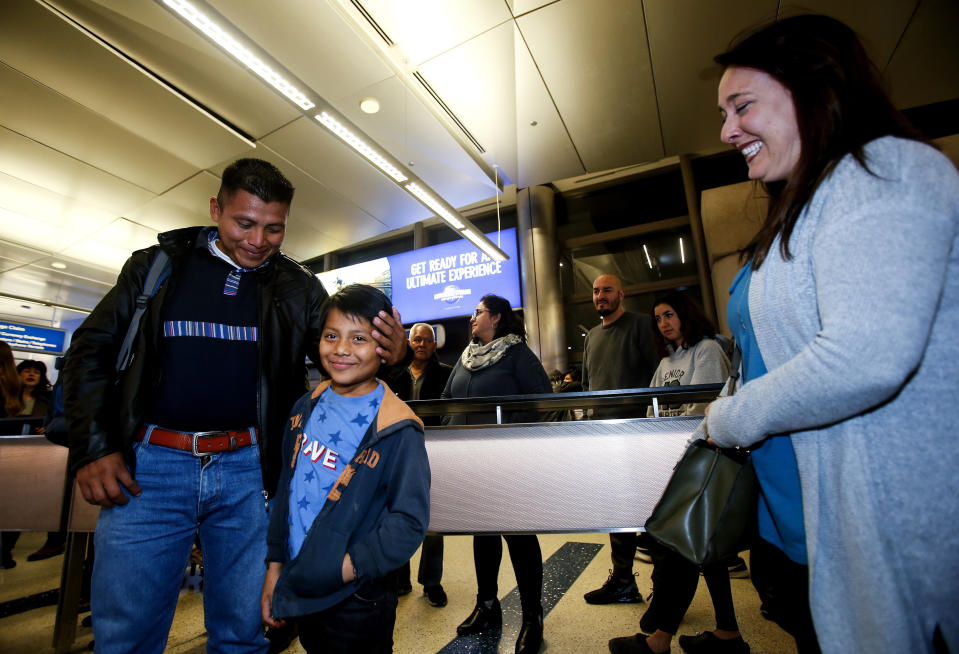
column 9, row 381
column 840, row 107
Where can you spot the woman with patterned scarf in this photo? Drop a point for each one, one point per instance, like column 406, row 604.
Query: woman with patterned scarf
column 498, row 362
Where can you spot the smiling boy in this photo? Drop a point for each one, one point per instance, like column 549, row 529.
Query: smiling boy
column 353, row 500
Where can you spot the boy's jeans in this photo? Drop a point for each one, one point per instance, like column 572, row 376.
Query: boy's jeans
column 142, row 549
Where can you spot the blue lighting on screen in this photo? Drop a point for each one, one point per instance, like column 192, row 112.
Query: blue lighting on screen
column 440, row 281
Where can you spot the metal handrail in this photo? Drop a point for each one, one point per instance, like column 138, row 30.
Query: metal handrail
column 628, row 397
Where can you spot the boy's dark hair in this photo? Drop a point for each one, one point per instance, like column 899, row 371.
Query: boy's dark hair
column 509, row 323
column 255, row 176
column 693, row 324
column 356, row 301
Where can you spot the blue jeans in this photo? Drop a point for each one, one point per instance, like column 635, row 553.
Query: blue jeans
column 142, row 549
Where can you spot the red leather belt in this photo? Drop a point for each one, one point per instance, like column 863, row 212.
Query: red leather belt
column 199, row 442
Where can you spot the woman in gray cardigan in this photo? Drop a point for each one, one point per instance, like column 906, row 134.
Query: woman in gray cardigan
column 854, row 309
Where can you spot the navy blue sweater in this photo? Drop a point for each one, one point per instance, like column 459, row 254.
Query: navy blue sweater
column 377, row 511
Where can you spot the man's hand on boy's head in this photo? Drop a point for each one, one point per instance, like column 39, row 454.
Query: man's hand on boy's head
column 391, row 337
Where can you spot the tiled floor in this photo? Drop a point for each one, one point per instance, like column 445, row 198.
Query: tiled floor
column 571, row 626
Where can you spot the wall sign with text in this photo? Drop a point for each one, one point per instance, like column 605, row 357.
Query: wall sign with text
column 437, row 282
column 33, row 338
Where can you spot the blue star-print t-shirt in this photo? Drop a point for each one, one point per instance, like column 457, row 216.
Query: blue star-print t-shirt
column 332, row 435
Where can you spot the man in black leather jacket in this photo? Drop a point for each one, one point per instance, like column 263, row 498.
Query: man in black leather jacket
column 188, row 437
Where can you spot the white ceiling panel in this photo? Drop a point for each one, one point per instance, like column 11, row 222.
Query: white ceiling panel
column 407, row 130
column 37, row 281
column 42, row 166
column 595, row 61
column 184, row 205
column 544, row 149
column 46, row 48
column 14, row 255
column 519, row 7
column 46, row 116
column 477, row 80
column 348, row 175
column 28, row 312
column 310, row 39
column 158, row 40
column 109, row 255
column 879, row 23
column 684, row 36
column 44, row 219
column 425, row 28
column 125, row 235
column 925, row 67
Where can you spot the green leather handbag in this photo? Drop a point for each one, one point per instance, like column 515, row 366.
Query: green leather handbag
column 708, row 511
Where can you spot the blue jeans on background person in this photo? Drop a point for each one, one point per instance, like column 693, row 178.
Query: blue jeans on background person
column 143, row 548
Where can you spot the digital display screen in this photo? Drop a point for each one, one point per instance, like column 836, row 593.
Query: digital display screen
column 437, row 282
column 33, row 338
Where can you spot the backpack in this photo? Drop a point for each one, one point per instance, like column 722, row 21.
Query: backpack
column 55, row 422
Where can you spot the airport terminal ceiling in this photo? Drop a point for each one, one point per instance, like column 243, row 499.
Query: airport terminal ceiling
column 116, row 117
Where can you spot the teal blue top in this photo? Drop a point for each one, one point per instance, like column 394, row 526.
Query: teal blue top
column 780, row 497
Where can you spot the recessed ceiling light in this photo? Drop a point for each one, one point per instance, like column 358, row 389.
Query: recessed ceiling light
column 58, row 265
column 369, row 105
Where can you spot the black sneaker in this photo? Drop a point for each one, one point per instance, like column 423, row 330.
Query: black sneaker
column 435, row 595
column 615, row 590
column 708, row 643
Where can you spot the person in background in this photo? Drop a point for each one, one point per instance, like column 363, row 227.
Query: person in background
column 424, row 379
column 353, row 501
column 35, row 388
column 498, row 362
column 618, row 353
column 684, row 338
column 572, row 381
column 10, row 405
column 846, row 311
column 555, row 379
column 35, row 393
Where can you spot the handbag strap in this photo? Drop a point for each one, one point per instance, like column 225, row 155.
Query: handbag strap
column 735, row 363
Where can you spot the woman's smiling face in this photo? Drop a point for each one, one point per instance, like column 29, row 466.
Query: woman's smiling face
column 759, row 120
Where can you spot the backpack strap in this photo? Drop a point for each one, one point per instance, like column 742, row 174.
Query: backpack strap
column 159, row 270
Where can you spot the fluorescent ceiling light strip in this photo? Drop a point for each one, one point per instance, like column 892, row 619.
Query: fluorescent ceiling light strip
column 682, row 252
column 431, row 202
column 239, row 51
column 360, row 146
column 483, row 245
column 648, row 260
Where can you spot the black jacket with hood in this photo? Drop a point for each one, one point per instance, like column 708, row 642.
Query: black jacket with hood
column 104, row 411
column 377, row 511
